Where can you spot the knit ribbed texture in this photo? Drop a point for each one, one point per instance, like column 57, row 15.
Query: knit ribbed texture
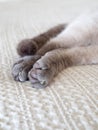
column 71, row 101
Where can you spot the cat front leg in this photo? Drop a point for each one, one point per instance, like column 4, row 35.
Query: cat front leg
column 53, row 62
column 31, row 46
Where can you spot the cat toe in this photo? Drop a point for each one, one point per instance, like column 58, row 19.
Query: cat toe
column 40, row 65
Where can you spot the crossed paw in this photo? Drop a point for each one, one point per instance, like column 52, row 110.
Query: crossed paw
column 33, row 68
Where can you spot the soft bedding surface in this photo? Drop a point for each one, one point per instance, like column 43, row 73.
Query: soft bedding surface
column 71, row 101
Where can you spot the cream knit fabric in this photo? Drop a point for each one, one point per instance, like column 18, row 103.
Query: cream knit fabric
column 71, row 101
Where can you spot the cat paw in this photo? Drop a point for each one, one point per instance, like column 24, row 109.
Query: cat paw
column 41, row 74
column 27, row 47
column 22, row 67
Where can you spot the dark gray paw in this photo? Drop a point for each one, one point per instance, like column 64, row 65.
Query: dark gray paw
column 27, row 47
column 22, row 67
column 41, row 74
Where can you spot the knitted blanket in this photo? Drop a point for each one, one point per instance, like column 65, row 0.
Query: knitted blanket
column 71, row 101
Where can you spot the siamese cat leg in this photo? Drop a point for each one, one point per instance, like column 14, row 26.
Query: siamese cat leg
column 53, row 62
column 31, row 46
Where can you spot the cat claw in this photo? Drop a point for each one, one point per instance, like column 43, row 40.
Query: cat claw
column 43, row 82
